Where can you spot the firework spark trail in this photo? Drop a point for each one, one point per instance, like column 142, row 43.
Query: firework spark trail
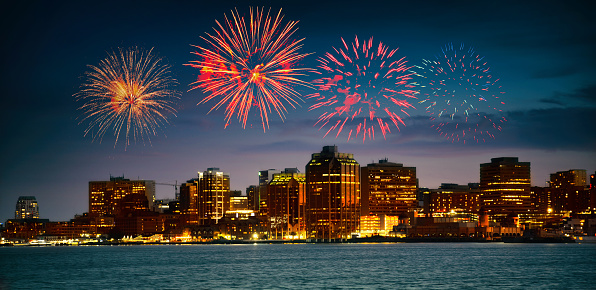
column 360, row 82
column 458, row 92
column 129, row 89
column 250, row 62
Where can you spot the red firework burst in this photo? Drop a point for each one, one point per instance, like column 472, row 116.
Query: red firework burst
column 364, row 85
column 250, row 62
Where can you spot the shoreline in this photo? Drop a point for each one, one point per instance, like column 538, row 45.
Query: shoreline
column 375, row 240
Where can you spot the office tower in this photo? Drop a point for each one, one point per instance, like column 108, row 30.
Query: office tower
column 505, row 188
column 252, row 194
column 573, row 177
column 388, row 189
column 189, row 202
column 265, row 177
column 569, row 192
column 454, row 197
column 26, row 208
column 213, row 195
column 332, row 195
column 238, row 201
column 541, row 199
column 120, row 196
column 593, row 192
column 286, row 199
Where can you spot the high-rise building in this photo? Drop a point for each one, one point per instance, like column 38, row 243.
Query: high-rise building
column 388, row 189
column 454, row 197
column 252, row 194
column 573, row 177
column 265, row 176
column 593, row 192
column 26, row 208
column 120, row 196
column 569, row 192
column 213, row 195
column 505, row 188
column 332, row 195
column 286, row 199
column 189, row 202
column 238, row 201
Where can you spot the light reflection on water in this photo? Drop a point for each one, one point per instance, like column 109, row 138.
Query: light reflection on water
column 379, row 266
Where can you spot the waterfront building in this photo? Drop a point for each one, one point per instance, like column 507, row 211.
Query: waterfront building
column 379, row 225
column 265, row 176
column 569, row 192
column 332, row 195
column 24, row 229
column 505, row 188
column 238, row 201
column 454, row 197
column 388, row 189
column 120, row 196
column 593, row 192
column 205, row 199
column 213, row 195
column 26, row 208
column 286, row 199
column 252, row 195
column 189, row 196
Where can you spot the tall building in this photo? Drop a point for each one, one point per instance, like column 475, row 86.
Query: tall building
column 388, row 189
column 593, row 192
column 454, row 197
column 569, row 192
column 26, row 208
column 573, row 177
column 286, row 199
column 252, row 194
column 505, row 188
column 265, row 176
column 238, row 201
column 189, row 202
column 213, row 195
column 332, row 195
column 120, row 196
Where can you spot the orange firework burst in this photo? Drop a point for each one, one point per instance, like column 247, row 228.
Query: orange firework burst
column 250, row 62
column 128, row 89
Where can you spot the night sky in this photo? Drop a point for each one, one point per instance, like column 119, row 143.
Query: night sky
column 544, row 52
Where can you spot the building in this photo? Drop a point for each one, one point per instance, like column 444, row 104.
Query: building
column 205, row 199
column 332, row 195
column 238, row 201
column 213, row 195
column 593, row 192
column 286, row 197
column 189, row 196
column 505, row 188
column 454, row 197
column 388, row 189
column 252, row 195
column 572, row 177
column 27, row 208
column 569, row 192
column 264, row 177
column 120, row 196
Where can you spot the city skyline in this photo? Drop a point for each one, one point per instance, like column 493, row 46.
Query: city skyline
column 542, row 53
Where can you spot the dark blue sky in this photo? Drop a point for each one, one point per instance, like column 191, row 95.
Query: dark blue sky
column 542, row 51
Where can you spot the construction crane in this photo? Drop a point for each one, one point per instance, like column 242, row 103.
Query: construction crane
column 175, row 185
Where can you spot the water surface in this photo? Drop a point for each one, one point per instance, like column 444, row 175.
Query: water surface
column 263, row 266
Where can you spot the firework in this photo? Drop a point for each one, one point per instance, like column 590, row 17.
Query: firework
column 128, row 92
column 362, row 86
column 461, row 96
column 250, row 62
